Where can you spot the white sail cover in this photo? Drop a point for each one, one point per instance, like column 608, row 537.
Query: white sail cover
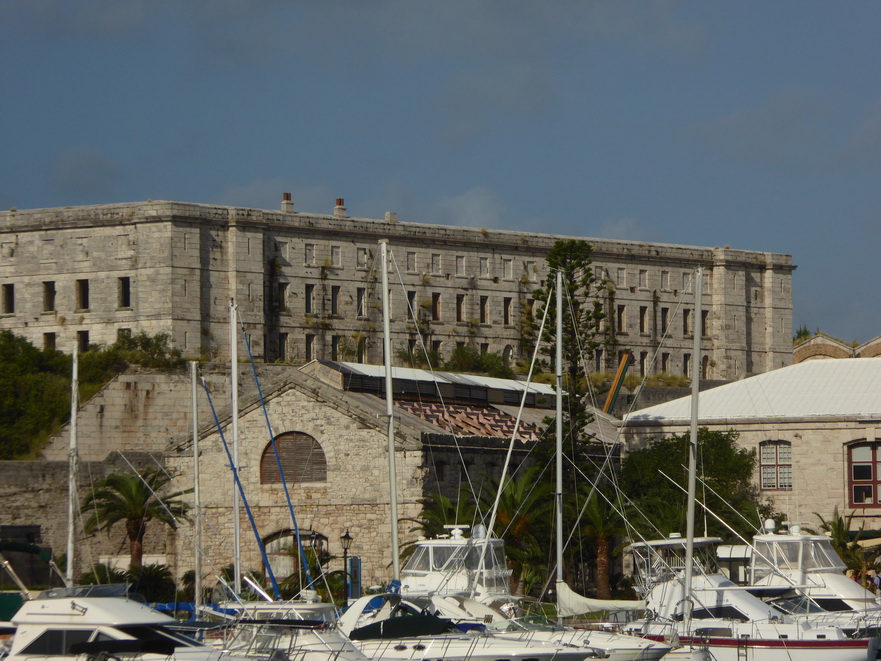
column 571, row 603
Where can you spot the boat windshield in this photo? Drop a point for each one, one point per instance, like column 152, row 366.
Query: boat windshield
column 529, row 623
column 796, row 605
column 795, row 554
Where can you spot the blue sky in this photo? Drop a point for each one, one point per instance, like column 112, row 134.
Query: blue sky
column 753, row 124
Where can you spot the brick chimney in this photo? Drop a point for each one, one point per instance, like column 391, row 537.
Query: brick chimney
column 287, row 205
column 340, row 209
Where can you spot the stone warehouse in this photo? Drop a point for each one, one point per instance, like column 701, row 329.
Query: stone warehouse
column 306, row 286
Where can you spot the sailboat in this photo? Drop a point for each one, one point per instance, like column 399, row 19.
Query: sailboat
column 704, row 611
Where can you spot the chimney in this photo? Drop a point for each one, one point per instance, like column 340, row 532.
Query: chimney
column 391, row 217
column 287, row 205
column 340, row 209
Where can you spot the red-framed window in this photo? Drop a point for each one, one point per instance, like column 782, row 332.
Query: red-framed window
column 863, row 482
column 775, row 465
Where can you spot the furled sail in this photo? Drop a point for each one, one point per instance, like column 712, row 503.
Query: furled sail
column 571, row 603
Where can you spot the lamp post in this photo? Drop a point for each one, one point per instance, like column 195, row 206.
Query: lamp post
column 346, row 540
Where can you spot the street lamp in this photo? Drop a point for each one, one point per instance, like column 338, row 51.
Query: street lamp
column 346, row 540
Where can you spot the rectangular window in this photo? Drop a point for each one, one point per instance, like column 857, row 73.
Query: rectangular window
column 309, row 254
column 335, row 300
column 335, row 347
column 643, row 362
column 484, row 309
column 705, row 315
column 484, row 348
column 336, row 255
column 598, row 272
column 435, row 306
column 460, row 265
column 124, row 293
column 665, row 280
column 361, row 301
column 309, row 299
column 598, row 360
column 775, row 459
column 621, row 277
column 460, row 307
column 665, row 362
column 48, row 296
column 484, row 267
column 665, row 320
column 282, row 346
column 49, row 341
column 310, row 348
column 361, row 258
column 686, row 322
column 686, row 364
column 283, row 296
column 643, row 319
column 643, row 279
column 8, row 299
column 82, row 294
column 82, row 341
column 621, row 319
column 508, row 268
column 531, row 271
column 507, row 310
column 435, row 263
column 411, row 262
column 123, row 334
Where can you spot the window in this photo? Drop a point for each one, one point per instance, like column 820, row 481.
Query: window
column 484, row 309
column 686, row 322
column 123, row 334
column 82, row 294
column 598, row 272
column 705, row 316
column 665, row 280
column 310, row 347
column 643, row 279
column 301, row 459
column 775, row 465
column 8, row 299
column 598, row 360
column 57, row 642
column 309, row 254
column 335, row 347
column 460, row 265
column 665, row 320
column 309, row 299
column 484, row 267
column 460, row 307
column 531, row 271
column 435, row 263
column 621, row 277
column 335, row 299
column 621, row 319
column 411, row 304
column 411, row 262
column 686, row 364
column 484, row 348
column 507, row 310
column 82, row 341
column 49, row 341
column 361, row 258
column 48, row 296
column 124, row 292
column 361, row 352
column 643, row 319
column 336, row 255
column 863, row 480
column 361, row 301
column 643, row 362
column 282, row 346
column 508, row 268
column 435, row 306
column 665, row 362
column 283, row 296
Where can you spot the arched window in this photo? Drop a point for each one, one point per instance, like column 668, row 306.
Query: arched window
column 301, row 456
column 775, row 465
column 282, row 552
column 863, row 462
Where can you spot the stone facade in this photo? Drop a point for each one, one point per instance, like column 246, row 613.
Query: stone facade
column 305, row 286
column 824, row 346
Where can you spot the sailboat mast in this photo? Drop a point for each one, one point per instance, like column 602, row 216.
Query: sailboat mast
column 197, row 501
column 73, row 467
column 389, row 410
column 234, row 396
column 558, row 497
column 697, row 331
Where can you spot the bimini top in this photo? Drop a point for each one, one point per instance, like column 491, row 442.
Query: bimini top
column 816, row 388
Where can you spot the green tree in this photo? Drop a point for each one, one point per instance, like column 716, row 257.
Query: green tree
column 601, row 525
column 838, row 527
column 660, row 505
column 153, row 582
column 133, row 500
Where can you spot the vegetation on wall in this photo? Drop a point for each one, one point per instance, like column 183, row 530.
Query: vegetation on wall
column 35, row 384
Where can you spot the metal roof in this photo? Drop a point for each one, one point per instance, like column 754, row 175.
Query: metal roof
column 849, row 387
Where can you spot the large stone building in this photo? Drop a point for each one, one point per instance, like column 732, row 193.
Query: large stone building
column 306, row 286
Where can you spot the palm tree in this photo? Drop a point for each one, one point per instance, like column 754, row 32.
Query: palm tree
column 602, row 524
column 134, row 500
